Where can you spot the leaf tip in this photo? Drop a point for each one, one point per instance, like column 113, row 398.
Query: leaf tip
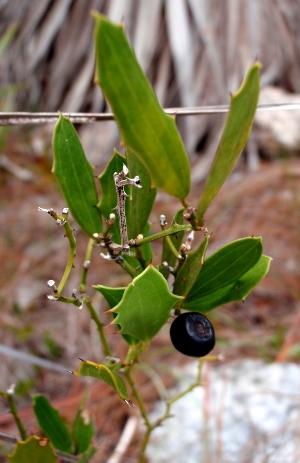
column 94, row 13
column 257, row 64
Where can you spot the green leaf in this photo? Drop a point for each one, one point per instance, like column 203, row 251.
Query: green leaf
column 75, row 176
column 167, row 253
column 86, row 456
column 109, row 195
column 225, row 267
column 99, row 371
column 51, row 423
column 145, row 306
column 34, row 450
column 235, row 135
column 190, row 269
column 236, row 291
column 83, row 430
column 142, row 199
column 145, row 128
column 113, row 296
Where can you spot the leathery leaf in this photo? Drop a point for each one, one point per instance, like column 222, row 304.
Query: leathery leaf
column 235, row 135
column 113, row 296
column 189, row 271
column 236, row 291
column 51, row 423
column 224, row 268
column 145, row 306
column 145, row 128
column 34, row 449
column 75, row 176
column 99, row 371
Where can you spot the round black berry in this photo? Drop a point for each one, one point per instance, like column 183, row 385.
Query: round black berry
column 192, row 334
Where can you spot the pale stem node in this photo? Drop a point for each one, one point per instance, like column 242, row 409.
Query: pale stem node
column 52, row 298
column 86, row 264
column 189, row 240
column 167, row 267
column 51, row 284
column 162, row 220
column 183, row 251
column 11, row 389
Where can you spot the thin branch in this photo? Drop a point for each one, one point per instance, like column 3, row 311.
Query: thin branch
column 100, row 326
column 27, row 118
column 14, row 411
column 173, row 230
column 62, row 220
column 86, row 265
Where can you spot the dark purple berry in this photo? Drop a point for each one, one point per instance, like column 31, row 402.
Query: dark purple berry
column 192, row 334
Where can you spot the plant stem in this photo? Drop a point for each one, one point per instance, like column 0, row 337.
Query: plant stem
column 176, row 228
column 14, row 412
column 72, row 254
column 88, row 255
column 172, row 247
column 131, row 359
column 99, row 325
column 151, row 426
column 62, row 220
column 137, row 396
column 128, row 268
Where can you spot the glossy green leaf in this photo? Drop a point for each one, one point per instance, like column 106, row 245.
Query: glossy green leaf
column 235, row 135
column 140, row 205
column 51, row 423
column 145, row 306
column 109, row 195
column 113, row 296
column 145, row 128
column 34, row 450
column 83, row 430
column 167, row 254
column 75, row 176
column 236, row 291
column 189, row 271
column 99, row 371
column 225, row 267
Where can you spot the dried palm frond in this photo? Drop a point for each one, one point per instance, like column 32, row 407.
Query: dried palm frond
column 194, row 52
